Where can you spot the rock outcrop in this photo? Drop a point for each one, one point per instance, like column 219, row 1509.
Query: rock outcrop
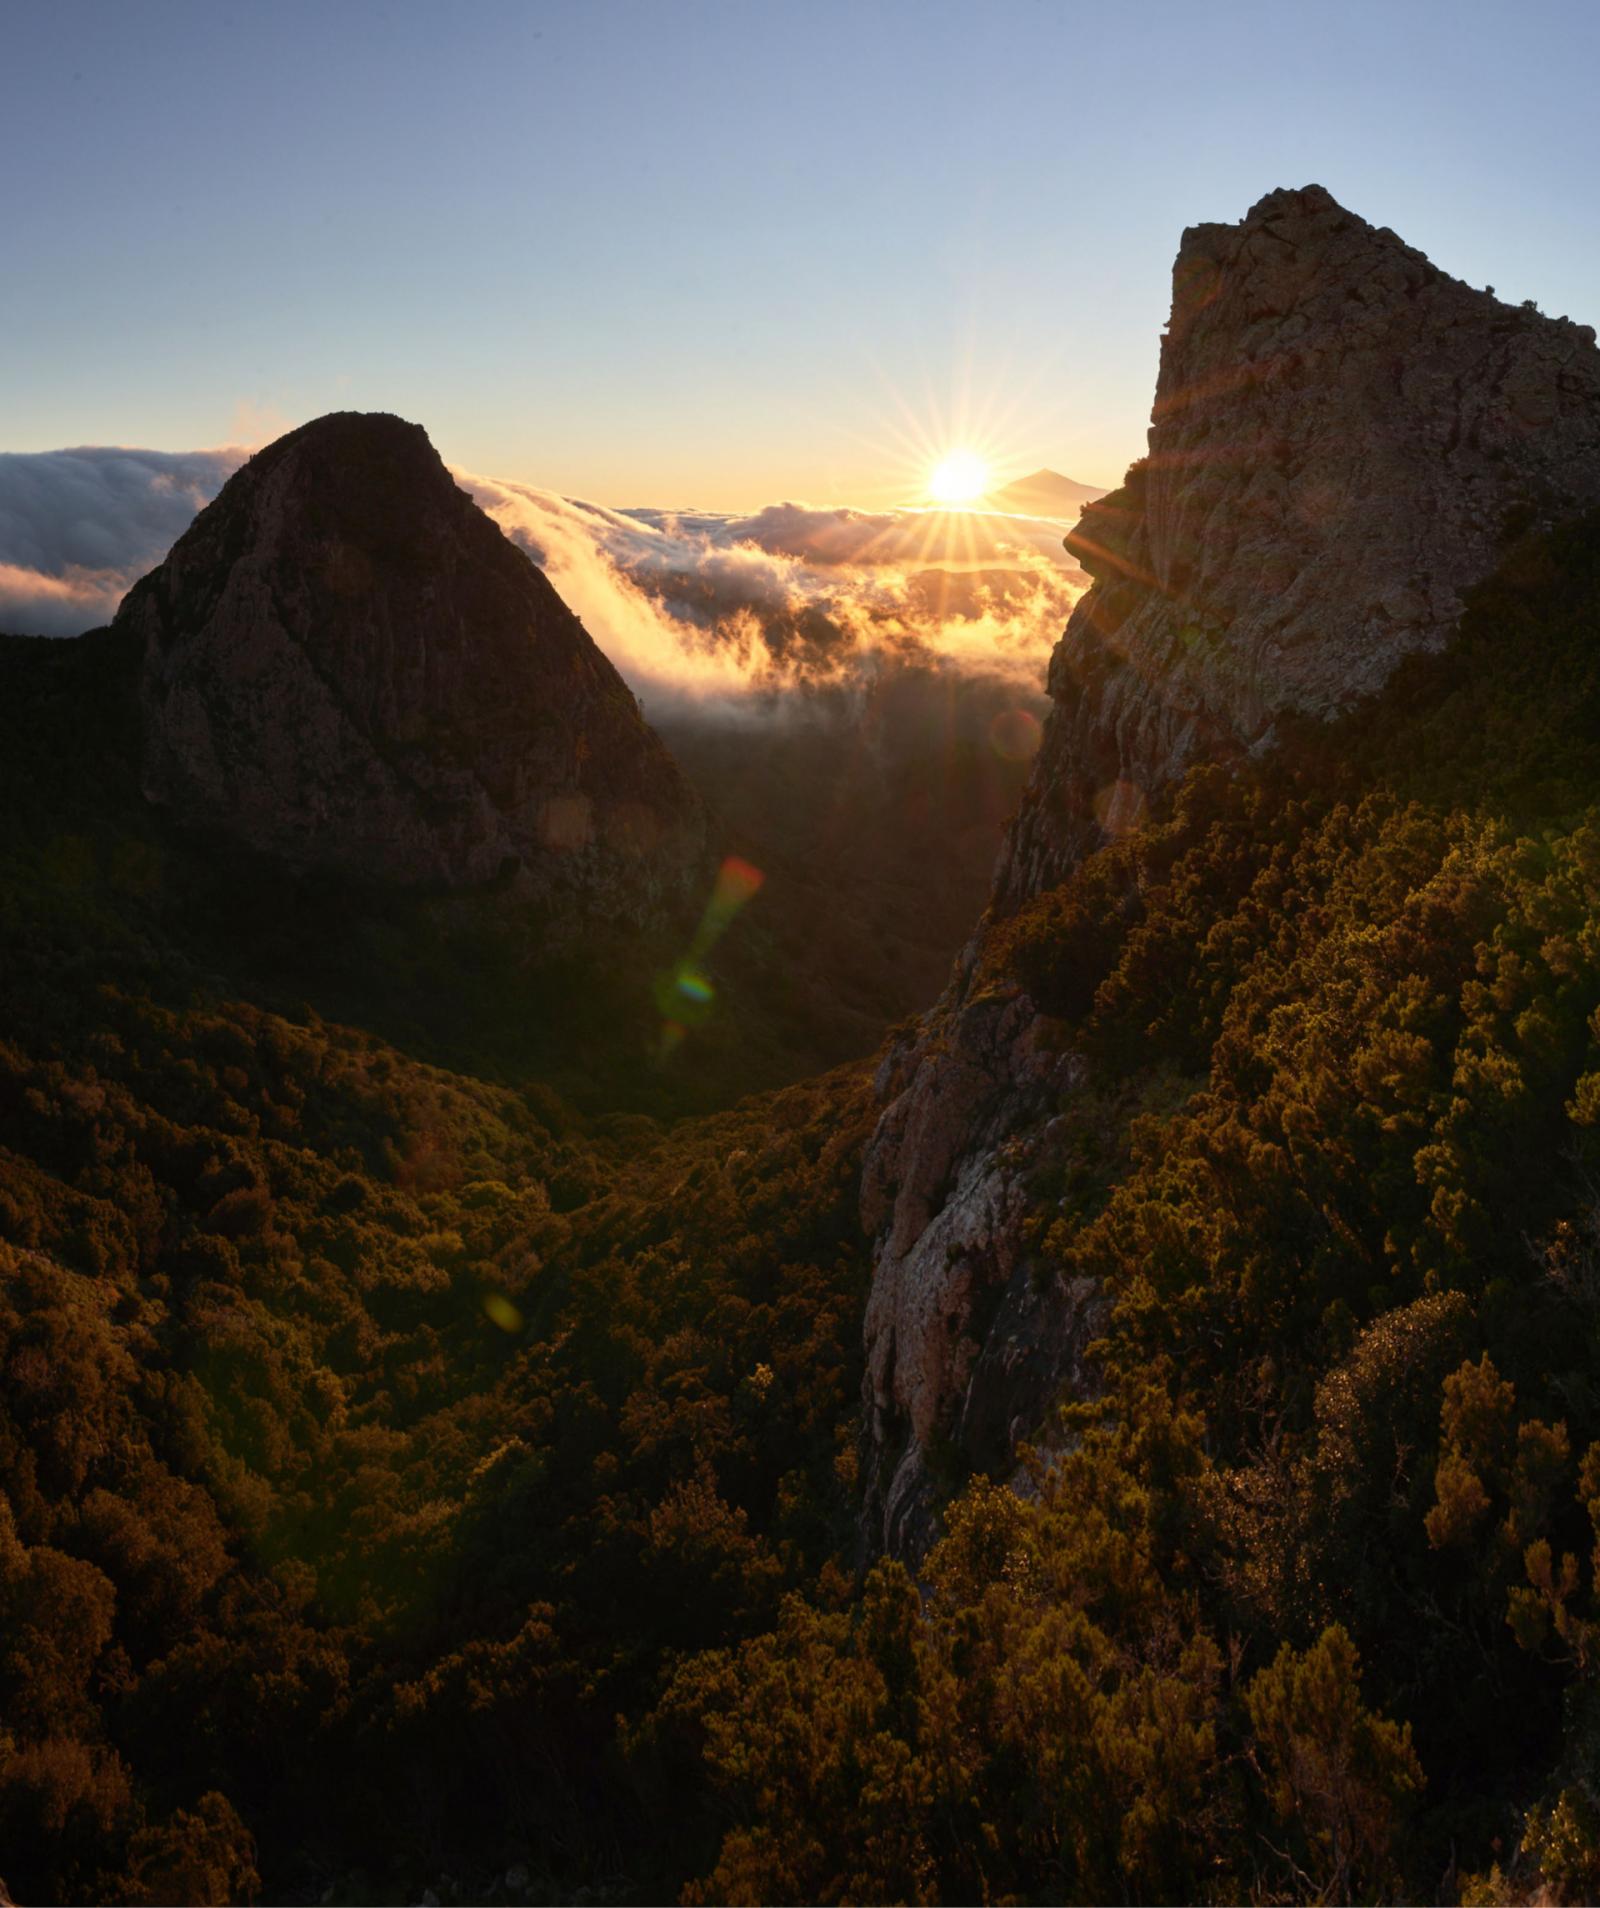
column 1342, row 439
column 1341, row 436
column 966, row 1343
column 348, row 666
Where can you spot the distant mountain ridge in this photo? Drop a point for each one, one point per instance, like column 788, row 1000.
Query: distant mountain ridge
column 1046, row 494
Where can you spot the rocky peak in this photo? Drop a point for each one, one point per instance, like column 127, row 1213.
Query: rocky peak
column 347, row 665
column 1341, row 439
column 1341, row 436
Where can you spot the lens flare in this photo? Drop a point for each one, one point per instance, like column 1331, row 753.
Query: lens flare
column 685, row 995
column 695, row 988
column 1119, row 807
column 500, row 1311
column 737, row 881
column 1014, row 735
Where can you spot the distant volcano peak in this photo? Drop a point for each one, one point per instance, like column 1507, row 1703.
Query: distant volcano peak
column 1046, row 493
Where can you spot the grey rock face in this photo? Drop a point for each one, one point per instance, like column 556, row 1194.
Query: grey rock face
column 348, row 666
column 1341, row 437
column 967, row 1337
column 932, row 1187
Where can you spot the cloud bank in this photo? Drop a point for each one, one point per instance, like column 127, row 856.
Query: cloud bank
column 79, row 527
column 741, row 609
column 693, row 607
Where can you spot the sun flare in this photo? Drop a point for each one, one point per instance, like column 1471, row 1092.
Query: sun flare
column 959, row 477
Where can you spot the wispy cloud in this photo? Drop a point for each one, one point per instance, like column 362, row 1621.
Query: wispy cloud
column 257, row 422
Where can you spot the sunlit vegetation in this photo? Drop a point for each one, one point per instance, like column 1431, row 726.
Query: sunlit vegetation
column 414, row 1479
column 369, row 1436
column 372, row 1435
column 1306, row 1609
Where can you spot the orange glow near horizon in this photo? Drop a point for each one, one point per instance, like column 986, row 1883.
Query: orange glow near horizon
column 898, row 452
column 949, row 438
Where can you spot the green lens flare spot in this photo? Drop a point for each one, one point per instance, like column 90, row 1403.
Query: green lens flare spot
column 696, row 989
column 500, row 1311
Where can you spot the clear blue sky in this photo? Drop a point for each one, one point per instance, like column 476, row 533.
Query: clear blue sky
column 717, row 254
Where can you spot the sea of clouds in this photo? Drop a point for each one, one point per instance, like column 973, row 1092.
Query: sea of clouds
column 701, row 608
column 77, row 527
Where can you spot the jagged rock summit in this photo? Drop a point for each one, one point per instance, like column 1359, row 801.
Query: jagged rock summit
column 347, row 665
column 1342, row 439
column 1342, row 435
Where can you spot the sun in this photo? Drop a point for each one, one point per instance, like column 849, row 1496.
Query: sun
column 959, row 477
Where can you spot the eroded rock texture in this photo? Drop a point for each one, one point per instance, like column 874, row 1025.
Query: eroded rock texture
column 349, row 666
column 968, row 1336
column 1342, row 438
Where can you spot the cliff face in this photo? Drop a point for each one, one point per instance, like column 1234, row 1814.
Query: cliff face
column 1342, row 437
column 1339, row 437
column 348, row 666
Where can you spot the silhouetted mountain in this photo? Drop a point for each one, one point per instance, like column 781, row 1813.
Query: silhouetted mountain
column 349, row 666
column 1045, row 494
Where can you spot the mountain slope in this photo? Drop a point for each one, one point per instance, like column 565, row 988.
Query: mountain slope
column 1341, row 436
column 1297, row 1595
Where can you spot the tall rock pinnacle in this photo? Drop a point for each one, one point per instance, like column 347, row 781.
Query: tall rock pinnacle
column 347, row 665
column 1341, row 436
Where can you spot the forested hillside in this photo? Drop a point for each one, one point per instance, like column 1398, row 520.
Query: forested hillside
column 372, row 1435
column 1301, row 1603
column 415, row 1480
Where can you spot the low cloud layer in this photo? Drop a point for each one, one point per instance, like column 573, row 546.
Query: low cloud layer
column 740, row 608
column 79, row 527
column 692, row 607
